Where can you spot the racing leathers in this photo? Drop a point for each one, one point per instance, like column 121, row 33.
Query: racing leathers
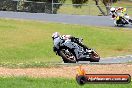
column 123, row 13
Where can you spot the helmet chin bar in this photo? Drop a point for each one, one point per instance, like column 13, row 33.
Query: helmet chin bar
column 55, row 37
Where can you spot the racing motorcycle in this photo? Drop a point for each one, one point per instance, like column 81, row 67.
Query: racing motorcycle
column 68, row 55
column 122, row 20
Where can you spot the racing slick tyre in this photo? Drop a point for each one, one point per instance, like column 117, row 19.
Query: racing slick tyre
column 67, row 56
column 94, row 57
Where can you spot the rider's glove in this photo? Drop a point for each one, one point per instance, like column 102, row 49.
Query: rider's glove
column 54, row 49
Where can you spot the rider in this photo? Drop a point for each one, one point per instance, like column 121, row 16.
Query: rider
column 124, row 13
column 66, row 40
column 114, row 15
column 75, row 40
column 119, row 12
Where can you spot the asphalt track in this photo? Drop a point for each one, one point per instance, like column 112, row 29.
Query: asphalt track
column 61, row 18
column 71, row 19
column 112, row 60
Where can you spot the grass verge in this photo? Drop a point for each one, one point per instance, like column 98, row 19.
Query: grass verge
column 24, row 82
column 29, row 42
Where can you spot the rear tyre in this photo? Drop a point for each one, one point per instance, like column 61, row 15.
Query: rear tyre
column 120, row 25
column 121, row 22
column 94, row 57
column 130, row 20
column 65, row 61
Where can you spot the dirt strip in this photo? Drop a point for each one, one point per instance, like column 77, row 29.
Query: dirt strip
column 67, row 71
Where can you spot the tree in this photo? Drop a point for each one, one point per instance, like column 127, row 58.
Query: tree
column 6, row 5
column 20, row 5
column 49, row 5
column 106, row 3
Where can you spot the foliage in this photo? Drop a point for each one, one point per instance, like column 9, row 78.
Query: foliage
column 26, row 82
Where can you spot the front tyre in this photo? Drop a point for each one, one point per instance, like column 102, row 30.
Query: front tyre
column 67, row 56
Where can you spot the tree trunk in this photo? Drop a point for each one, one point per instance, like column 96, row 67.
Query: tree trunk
column 97, row 4
column 108, row 9
column 107, row 5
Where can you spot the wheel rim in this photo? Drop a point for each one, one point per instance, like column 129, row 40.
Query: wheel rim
column 69, row 55
column 95, row 54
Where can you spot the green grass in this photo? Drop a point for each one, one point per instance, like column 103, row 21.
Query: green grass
column 27, row 43
column 129, row 62
column 24, row 82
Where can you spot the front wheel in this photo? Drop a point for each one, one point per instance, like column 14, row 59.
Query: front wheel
column 94, row 56
column 67, row 56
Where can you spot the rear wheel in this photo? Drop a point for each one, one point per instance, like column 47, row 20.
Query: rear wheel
column 130, row 20
column 120, row 23
column 94, row 56
column 67, row 56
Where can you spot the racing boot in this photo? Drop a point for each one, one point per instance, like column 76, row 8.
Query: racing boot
column 115, row 22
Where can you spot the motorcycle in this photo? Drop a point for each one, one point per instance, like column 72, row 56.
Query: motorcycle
column 121, row 21
column 68, row 55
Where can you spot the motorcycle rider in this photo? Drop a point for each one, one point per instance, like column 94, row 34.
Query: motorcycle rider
column 116, row 13
column 75, row 40
column 124, row 13
column 67, row 40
